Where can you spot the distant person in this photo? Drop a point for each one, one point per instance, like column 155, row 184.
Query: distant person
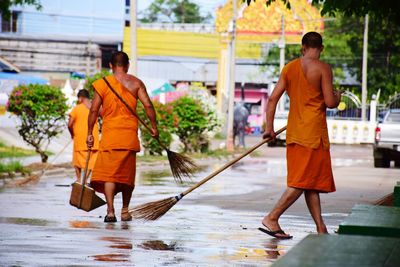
column 78, row 126
column 308, row 82
column 115, row 167
column 240, row 116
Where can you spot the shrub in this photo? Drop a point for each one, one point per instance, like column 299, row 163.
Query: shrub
column 190, row 123
column 41, row 110
column 164, row 121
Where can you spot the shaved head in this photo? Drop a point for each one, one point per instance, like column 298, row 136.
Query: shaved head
column 312, row 40
column 119, row 59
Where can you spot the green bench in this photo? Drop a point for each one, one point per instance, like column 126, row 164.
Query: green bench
column 343, row 250
column 396, row 195
column 372, row 221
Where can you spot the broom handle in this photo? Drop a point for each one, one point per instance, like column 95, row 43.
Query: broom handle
column 84, row 177
column 227, row 165
column 55, row 158
column 134, row 113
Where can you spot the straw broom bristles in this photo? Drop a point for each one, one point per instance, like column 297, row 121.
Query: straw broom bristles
column 156, row 209
column 181, row 165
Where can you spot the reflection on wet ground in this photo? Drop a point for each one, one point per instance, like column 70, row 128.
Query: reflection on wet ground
column 158, row 245
column 39, row 228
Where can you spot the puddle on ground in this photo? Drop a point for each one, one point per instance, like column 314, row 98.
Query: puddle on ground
column 26, row 221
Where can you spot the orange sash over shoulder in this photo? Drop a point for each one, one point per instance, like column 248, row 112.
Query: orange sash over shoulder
column 120, row 127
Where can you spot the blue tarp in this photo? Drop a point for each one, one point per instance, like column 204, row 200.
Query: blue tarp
column 21, row 78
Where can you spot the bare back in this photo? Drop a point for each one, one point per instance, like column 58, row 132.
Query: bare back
column 319, row 75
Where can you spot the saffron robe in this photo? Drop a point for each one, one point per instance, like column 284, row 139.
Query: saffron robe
column 79, row 115
column 119, row 142
column 308, row 157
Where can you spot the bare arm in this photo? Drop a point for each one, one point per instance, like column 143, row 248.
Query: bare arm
column 331, row 97
column 148, row 107
column 71, row 126
column 93, row 115
column 271, row 107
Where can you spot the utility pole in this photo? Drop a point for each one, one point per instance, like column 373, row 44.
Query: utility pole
column 364, row 89
column 133, row 26
column 282, row 45
column 231, row 84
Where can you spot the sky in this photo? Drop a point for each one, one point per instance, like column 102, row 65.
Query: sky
column 205, row 5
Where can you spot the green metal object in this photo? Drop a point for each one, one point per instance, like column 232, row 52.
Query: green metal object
column 343, row 250
column 396, row 195
column 373, row 221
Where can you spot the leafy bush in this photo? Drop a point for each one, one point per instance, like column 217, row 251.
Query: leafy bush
column 190, row 123
column 41, row 110
column 164, row 121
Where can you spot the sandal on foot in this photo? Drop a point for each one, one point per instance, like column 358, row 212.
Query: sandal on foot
column 280, row 234
column 125, row 215
column 110, row 219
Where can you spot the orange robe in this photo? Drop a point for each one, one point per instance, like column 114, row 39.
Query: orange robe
column 119, row 142
column 80, row 114
column 308, row 157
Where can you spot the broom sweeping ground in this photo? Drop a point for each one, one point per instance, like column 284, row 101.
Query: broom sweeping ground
column 155, row 210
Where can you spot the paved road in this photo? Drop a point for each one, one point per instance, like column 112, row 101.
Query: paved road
column 213, row 226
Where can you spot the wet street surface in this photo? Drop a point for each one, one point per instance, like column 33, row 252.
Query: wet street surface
column 215, row 225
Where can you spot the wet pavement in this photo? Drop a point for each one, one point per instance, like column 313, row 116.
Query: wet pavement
column 215, row 225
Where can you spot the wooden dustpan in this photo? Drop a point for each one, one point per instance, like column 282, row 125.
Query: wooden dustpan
column 83, row 196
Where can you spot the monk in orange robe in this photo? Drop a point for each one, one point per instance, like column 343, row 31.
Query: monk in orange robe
column 115, row 167
column 77, row 126
column 308, row 83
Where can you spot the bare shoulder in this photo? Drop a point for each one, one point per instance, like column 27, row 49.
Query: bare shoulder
column 323, row 66
column 133, row 82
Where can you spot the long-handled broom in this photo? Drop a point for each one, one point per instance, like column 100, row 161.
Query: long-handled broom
column 181, row 165
column 35, row 177
column 154, row 210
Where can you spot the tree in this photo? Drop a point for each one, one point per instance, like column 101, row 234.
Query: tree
column 42, row 111
column 5, row 6
column 175, row 11
column 343, row 39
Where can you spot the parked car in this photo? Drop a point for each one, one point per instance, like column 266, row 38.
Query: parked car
column 387, row 140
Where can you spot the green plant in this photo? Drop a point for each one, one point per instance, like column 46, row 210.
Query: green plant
column 13, row 166
column 14, row 152
column 190, row 123
column 164, row 123
column 41, row 110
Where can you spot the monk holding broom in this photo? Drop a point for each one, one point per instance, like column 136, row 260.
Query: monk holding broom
column 115, row 167
column 308, row 82
column 77, row 126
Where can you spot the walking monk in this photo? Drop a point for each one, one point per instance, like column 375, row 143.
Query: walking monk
column 115, row 167
column 308, row 82
column 78, row 126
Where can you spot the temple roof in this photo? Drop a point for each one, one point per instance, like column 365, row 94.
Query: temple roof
column 259, row 23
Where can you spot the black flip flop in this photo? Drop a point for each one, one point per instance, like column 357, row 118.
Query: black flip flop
column 277, row 234
column 108, row 219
